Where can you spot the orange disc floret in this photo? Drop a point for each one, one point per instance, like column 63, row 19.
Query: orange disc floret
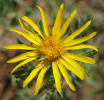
column 51, row 48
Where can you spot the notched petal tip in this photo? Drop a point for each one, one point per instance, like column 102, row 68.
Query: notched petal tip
column 73, row 88
column 89, row 21
column 75, row 11
column 35, row 93
column 60, row 92
column 6, row 46
column 9, row 61
column 24, row 17
column 39, row 7
column 96, row 49
column 11, row 72
column 82, row 77
column 12, row 29
column 41, row 10
column 93, row 34
column 23, row 85
column 93, row 61
column 20, row 19
column 62, row 5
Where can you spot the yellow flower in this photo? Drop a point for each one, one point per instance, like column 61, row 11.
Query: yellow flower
column 52, row 49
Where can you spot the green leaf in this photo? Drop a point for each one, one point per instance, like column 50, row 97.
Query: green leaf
column 77, row 84
column 69, row 30
column 91, row 81
column 20, row 41
column 14, row 21
column 101, row 75
column 96, row 92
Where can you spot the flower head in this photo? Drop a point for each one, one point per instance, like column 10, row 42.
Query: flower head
column 54, row 48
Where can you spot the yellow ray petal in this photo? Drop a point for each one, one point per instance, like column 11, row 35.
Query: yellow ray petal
column 26, row 35
column 56, row 75
column 33, row 24
column 81, row 58
column 76, row 65
column 72, row 69
column 58, row 21
column 21, row 57
column 24, row 26
column 81, row 46
column 33, row 74
column 20, row 46
column 80, row 40
column 40, row 79
column 22, row 63
column 66, row 76
column 66, row 24
column 77, row 32
column 44, row 20
column 31, row 32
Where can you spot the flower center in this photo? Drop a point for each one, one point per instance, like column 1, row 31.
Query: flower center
column 51, row 48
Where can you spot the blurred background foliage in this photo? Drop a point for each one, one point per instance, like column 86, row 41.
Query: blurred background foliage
column 11, row 86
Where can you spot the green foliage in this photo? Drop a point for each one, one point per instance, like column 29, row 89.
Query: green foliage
column 10, row 7
column 59, row 2
column 101, row 75
column 20, row 41
column 14, row 21
column 6, row 5
column 98, row 91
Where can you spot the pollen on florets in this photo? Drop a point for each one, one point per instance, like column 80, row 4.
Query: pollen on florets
column 51, row 48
